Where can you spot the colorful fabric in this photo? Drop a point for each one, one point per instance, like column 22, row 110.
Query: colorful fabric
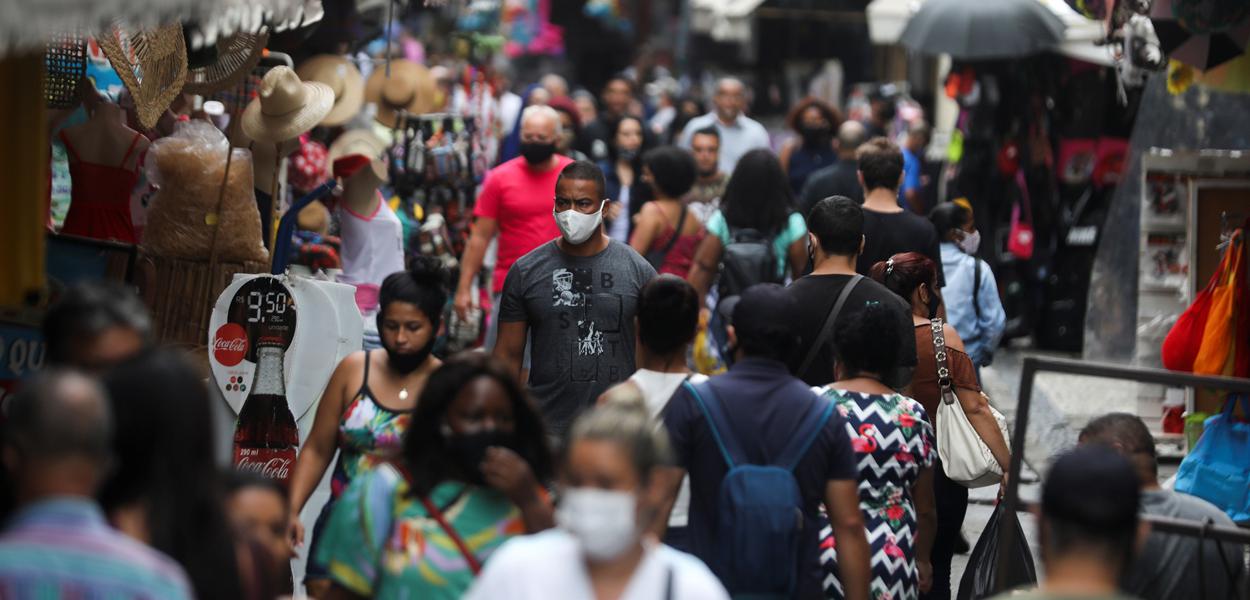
column 893, row 440
column 369, row 434
column 308, row 168
column 381, row 542
column 63, row 548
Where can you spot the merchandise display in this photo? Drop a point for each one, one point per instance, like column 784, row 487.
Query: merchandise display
column 204, row 199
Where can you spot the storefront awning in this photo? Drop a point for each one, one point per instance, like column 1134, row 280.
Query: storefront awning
column 27, row 25
column 887, row 18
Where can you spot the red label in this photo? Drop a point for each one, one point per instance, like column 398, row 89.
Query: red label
column 230, row 344
column 273, row 463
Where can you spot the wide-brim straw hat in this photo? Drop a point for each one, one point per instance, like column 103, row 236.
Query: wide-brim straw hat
column 152, row 64
column 356, row 141
column 409, row 88
column 343, row 78
column 286, row 107
column 235, row 57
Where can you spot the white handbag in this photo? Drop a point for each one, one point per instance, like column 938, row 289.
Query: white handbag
column 966, row 458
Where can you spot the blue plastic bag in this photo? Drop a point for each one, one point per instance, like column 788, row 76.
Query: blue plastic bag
column 1218, row 469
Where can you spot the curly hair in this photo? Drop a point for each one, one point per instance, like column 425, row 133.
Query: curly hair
column 831, row 114
column 858, row 341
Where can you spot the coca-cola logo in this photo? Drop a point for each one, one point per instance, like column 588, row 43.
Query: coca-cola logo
column 275, row 468
column 230, row 344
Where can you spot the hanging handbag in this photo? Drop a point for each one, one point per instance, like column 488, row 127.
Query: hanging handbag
column 1020, row 241
column 966, row 458
column 1180, row 347
column 656, row 257
column 1216, row 469
column 1217, row 334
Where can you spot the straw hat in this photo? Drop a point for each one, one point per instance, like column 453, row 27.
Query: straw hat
column 410, row 87
column 232, row 59
column 356, row 141
column 153, row 65
column 343, row 78
column 285, row 107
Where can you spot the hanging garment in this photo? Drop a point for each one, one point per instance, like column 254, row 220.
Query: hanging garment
column 100, row 197
column 373, row 245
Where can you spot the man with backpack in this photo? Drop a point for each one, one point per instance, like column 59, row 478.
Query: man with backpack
column 763, row 452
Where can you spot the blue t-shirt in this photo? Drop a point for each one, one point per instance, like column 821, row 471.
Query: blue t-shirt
column 795, row 229
column 765, row 404
column 911, row 176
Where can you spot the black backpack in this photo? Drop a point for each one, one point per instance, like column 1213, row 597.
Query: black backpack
column 748, row 259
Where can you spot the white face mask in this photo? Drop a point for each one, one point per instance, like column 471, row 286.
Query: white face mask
column 971, row 242
column 578, row 227
column 602, row 521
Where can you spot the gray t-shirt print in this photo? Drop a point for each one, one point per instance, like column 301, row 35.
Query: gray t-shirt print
column 580, row 311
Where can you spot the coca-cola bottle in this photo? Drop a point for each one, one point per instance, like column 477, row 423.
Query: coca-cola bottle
column 265, row 437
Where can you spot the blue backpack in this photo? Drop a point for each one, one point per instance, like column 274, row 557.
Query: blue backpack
column 760, row 509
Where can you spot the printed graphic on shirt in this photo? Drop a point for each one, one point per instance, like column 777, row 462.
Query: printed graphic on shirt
column 589, row 339
column 570, row 288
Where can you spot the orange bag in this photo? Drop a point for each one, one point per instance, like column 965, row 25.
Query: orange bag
column 1218, row 337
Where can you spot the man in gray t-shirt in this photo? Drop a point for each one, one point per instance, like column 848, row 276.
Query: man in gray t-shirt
column 1167, row 566
column 575, row 297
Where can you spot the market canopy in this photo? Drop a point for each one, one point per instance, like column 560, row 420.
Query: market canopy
column 26, row 25
column 1081, row 38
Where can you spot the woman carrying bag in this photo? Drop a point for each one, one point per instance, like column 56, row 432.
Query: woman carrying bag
column 913, row 276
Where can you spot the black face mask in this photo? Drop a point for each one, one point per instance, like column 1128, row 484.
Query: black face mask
column 816, row 136
column 709, row 172
column 407, row 362
column 537, row 153
column 627, row 155
column 468, row 450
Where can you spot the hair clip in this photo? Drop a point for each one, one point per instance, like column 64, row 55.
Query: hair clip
column 889, row 266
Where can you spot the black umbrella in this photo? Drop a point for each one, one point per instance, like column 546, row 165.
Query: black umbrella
column 983, row 29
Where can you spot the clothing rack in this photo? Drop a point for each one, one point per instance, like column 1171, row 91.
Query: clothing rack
column 1028, row 374
column 432, row 166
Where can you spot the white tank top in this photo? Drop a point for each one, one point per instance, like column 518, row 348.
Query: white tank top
column 373, row 245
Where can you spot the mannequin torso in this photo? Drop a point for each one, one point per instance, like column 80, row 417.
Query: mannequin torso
column 106, row 140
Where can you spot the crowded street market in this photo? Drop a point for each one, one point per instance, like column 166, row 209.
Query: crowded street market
column 625, row 299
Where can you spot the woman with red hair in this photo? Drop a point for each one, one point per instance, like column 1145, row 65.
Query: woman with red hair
column 815, row 122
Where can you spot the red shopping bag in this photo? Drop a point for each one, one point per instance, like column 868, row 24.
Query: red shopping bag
column 1020, row 240
column 1184, row 341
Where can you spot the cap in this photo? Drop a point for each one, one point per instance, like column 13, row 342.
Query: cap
column 755, row 312
column 349, row 165
column 1095, row 487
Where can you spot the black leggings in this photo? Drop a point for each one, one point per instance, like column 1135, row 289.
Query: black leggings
column 952, row 504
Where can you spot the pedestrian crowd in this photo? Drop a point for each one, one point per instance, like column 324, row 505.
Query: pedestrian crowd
column 712, row 371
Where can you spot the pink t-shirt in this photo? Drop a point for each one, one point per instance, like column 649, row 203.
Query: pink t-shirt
column 520, row 199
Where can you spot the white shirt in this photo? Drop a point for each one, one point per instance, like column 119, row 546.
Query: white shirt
column 550, row 566
column 657, row 389
column 743, row 135
column 373, row 245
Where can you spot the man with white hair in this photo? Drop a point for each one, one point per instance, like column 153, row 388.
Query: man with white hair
column 739, row 133
column 515, row 204
column 555, row 85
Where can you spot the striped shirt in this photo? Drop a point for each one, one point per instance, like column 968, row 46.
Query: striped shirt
column 62, row 548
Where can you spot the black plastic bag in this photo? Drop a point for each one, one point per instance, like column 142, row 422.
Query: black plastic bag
column 982, row 574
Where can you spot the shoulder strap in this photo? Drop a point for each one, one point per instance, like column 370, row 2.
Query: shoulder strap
column 809, row 429
column 672, row 241
column 668, row 585
column 976, row 287
column 945, row 384
column 717, row 423
column 68, row 146
column 827, row 328
column 437, row 515
column 133, row 142
column 364, row 382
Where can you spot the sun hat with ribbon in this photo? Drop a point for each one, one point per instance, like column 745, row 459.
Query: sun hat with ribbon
column 286, row 107
column 343, row 78
column 410, row 88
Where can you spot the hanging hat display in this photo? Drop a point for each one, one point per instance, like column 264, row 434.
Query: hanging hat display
column 343, row 78
column 285, row 107
column 357, row 141
column 410, row 88
column 1202, row 33
column 226, row 63
column 152, row 64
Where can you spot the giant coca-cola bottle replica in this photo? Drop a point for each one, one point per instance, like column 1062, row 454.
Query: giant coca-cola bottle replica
column 265, row 437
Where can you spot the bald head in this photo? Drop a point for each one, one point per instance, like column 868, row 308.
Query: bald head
column 60, row 415
column 730, row 99
column 851, row 135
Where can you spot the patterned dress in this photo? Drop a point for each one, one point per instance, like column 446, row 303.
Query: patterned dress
column 382, row 543
column 893, row 440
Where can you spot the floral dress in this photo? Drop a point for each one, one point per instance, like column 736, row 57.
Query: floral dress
column 893, row 440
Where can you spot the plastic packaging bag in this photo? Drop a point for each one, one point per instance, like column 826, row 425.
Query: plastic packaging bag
column 982, row 573
column 188, row 169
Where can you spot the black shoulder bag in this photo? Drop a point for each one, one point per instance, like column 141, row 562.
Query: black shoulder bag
column 827, row 328
column 656, row 258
